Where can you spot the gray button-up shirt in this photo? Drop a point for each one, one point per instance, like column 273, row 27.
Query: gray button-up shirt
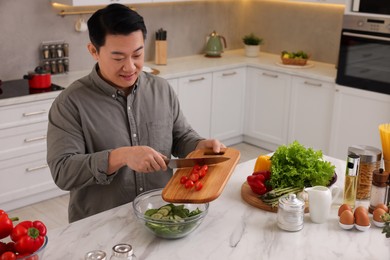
column 90, row 118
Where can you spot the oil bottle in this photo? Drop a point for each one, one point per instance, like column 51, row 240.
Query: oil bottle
column 351, row 178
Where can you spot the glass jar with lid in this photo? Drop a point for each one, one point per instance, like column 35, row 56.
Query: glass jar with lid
column 122, row 251
column 290, row 213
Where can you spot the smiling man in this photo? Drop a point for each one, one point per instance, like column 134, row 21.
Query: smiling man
column 110, row 131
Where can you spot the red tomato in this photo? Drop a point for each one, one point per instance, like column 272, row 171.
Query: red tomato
column 197, row 167
column 198, row 185
column 183, row 179
column 205, row 168
column 8, row 256
column 194, row 177
column 189, row 184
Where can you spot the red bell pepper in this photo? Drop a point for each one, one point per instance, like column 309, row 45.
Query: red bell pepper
column 6, row 224
column 257, row 182
column 28, row 236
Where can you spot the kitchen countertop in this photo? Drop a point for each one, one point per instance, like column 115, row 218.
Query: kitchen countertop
column 196, row 64
column 232, row 230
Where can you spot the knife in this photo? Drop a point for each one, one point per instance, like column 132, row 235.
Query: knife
column 191, row 162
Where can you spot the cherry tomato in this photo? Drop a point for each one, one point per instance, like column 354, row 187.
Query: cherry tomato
column 194, row 177
column 189, row 184
column 205, row 167
column 183, row 179
column 197, row 167
column 8, row 256
column 198, row 185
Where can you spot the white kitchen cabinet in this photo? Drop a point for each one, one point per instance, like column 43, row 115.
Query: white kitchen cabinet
column 311, row 112
column 195, row 101
column 357, row 115
column 98, row 2
column 267, row 110
column 228, row 99
column 24, row 174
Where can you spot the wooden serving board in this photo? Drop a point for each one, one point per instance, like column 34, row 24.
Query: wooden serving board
column 253, row 199
column 213, row 183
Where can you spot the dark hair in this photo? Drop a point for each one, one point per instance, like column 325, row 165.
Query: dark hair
column 114, row 19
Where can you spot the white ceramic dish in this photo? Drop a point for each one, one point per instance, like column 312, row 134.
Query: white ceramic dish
column 379, row 224
column 346, row 227
column 308, row 65
column 363, row 228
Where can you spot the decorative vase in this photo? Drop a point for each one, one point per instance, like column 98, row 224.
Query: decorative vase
column 252, row 50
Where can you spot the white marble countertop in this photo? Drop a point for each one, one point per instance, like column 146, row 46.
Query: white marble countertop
column 232, row 230
column 190, row 65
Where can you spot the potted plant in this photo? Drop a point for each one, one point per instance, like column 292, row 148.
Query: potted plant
column 252, row 45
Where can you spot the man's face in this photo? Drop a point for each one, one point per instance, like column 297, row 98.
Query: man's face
column 121, row 58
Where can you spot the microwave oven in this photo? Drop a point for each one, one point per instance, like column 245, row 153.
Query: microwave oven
column 380, row 7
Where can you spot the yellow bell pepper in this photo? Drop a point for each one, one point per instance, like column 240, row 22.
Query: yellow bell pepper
column 263, row 163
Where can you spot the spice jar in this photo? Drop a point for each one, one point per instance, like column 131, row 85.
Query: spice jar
column 45, row 51
column 378, row 189
column 122, row 251
column 290, row 213
column 370, row 160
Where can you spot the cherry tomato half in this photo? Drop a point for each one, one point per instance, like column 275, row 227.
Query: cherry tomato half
column 8, row 256
column 198, row 185
column 183, row 179
column 194, row 177
column 189, row 184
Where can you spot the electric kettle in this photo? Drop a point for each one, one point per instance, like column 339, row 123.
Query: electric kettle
column 214, row 46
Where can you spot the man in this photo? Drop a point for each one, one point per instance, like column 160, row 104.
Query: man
column 110, row 131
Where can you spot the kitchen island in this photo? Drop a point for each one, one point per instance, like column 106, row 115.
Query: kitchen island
column 232, row 230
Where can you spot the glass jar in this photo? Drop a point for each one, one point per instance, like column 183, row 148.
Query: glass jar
column 122, row 251
column 290, row 213
column 95, row 255
column 378, row 189
column 370, row 160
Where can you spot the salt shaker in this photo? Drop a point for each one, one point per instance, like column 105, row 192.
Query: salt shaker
column 122, row 251
column 290, row 213
column 378, row 189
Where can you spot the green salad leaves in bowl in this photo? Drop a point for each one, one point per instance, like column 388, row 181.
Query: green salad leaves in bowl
column 168, row 220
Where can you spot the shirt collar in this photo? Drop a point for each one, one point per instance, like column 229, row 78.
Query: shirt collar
column 106, row 87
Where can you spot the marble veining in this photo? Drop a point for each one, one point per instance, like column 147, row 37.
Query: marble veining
column 232, row 230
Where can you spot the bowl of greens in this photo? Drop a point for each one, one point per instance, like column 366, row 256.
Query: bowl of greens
column 168, row 220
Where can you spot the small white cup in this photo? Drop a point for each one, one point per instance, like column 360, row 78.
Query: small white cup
column 81, row 25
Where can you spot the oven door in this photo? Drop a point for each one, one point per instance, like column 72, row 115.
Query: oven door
column 364, row 61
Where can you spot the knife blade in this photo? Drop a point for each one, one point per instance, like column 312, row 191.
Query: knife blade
column 191, row 162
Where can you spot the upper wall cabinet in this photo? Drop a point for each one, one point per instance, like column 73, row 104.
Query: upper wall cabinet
column 98, row 2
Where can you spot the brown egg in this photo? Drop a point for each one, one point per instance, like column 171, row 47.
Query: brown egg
column 361, row 217
column 344, row 207
column 382, row 206
column 376, row 215
column 360, row 209
column 346, row 217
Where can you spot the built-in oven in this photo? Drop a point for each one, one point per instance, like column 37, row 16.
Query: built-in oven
column 381, row 7
column 364, row 56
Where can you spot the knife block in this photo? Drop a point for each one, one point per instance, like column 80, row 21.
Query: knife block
column 161, row 52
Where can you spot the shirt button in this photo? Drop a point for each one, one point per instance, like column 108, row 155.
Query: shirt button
column 134, row 135
column 128, row 108
column 141, row 189
column 113, row 95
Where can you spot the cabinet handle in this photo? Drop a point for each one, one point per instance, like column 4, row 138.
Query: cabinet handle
column 34, row 113
column 31, row 169
column 270, row 75
column 29, row 140
column 313, row 84
column 229, row 74
column 198, row 79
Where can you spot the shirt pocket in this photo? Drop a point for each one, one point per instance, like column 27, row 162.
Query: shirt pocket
column 160, row 136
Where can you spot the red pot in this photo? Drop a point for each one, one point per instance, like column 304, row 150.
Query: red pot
column 39, row 79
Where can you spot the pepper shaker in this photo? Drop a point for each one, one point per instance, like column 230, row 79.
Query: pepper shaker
column 122, row 251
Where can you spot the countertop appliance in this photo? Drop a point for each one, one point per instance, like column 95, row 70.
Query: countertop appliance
column 20, row 87
column 381, row 7
column 364, row 56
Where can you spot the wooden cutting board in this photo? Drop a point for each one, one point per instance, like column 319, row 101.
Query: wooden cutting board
column 253, row 199
column 213, row 183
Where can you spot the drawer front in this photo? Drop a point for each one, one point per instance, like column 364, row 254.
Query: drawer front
column 21, row 140
column 24, row 176
column 24, row 113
